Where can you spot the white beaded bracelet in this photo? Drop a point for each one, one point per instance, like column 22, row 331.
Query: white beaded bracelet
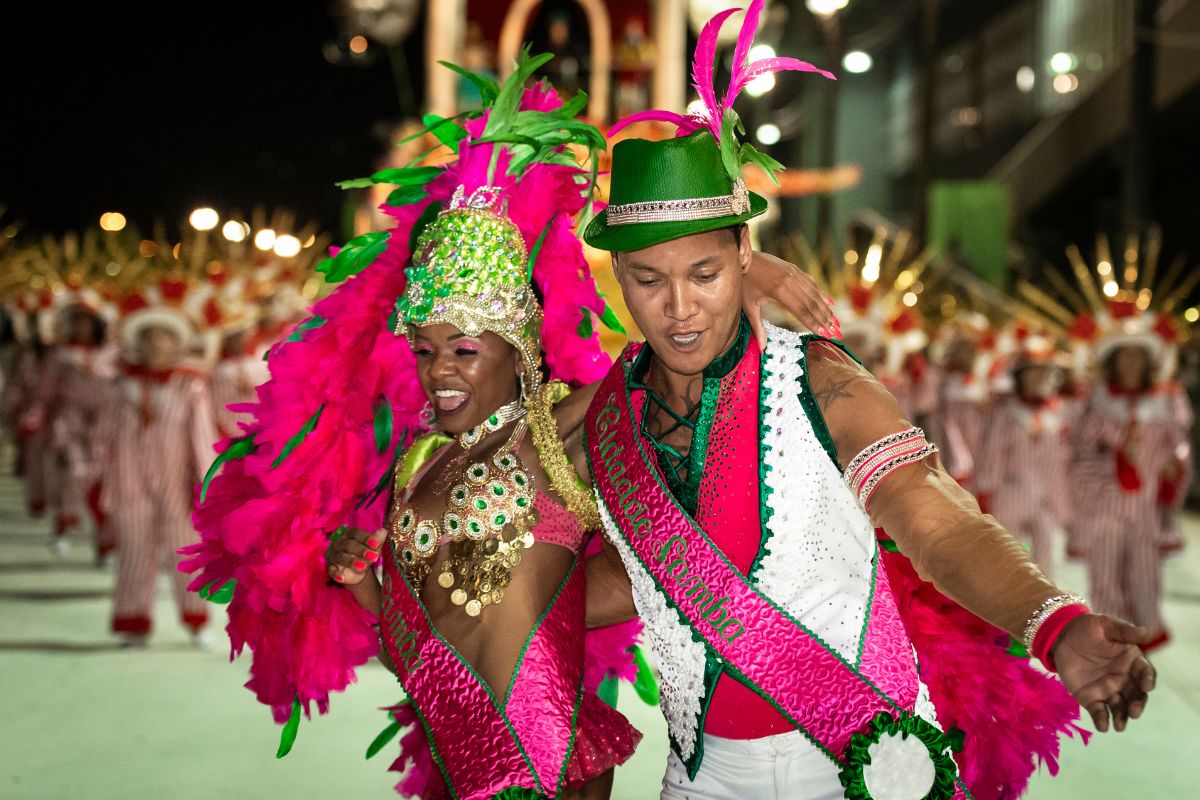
column 1044, row 612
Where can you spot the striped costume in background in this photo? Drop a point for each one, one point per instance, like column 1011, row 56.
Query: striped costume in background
column 157, row 436
column 1023, row 475
column 1130, row 449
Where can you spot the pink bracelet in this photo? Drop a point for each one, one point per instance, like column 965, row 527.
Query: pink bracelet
column 1047, row 635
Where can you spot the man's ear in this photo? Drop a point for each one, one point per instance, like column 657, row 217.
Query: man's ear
column 616, row 264
column 745, row 251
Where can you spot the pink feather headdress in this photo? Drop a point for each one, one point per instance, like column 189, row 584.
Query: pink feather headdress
column 717, row 114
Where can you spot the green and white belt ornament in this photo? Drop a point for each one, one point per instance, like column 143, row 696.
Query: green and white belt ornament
column 900, row 757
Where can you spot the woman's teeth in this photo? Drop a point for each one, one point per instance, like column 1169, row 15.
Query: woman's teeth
column 685, row 340
column 448, row 400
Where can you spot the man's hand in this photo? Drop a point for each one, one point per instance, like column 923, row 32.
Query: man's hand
column 773, row 279
column 1099, row 661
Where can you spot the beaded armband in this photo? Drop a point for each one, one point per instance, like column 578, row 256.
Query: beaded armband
column 1044, row 612
column 578, row 498
column 865, row 472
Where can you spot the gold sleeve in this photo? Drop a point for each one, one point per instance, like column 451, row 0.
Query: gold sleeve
column 553, row 457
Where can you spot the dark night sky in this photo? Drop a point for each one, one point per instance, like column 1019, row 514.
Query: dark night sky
column 153, row 112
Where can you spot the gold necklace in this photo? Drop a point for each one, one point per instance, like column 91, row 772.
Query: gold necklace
column 493, row 497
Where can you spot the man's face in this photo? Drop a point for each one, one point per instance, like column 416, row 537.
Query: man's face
column 686, row 295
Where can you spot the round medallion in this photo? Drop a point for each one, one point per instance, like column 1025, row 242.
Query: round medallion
column 477, row 473
column 473, row 608
column 505, row 461
column 475, row 528
column 458, row 597
column 899, row 757
column 425, row 540
column 459, row 495
column 498, row 521
column 520, row 479
column 445, row 580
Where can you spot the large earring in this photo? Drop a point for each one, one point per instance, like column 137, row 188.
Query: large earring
column 428, row 417
column 521, row 384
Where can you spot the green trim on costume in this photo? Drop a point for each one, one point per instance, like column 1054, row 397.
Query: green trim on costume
column 904, row 724
column 862, row 635
column 765, row 490
column 808, row 400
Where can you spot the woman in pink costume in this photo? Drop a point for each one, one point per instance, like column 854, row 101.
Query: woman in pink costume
column 480, row 601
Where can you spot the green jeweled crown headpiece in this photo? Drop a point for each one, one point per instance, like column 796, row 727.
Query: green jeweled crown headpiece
column 469, row 269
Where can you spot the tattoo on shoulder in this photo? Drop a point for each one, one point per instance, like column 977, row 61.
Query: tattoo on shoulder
column 832, row 391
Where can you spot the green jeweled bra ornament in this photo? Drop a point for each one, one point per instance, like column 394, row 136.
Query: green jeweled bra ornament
column 900, row 757
column 487, row 524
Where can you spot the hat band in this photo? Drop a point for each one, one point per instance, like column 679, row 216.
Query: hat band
column 686, row 210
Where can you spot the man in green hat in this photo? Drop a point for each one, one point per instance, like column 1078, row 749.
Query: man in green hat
column 740, row 488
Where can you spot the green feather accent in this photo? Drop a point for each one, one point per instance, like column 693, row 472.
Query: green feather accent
column 355, row 183
column 1016, row 649
column 287, row 736
column 221, row 595
column 407, row 176
column 731, row 154
column 387, row 734
column 307, row 325
column 609, row 318
column 751, row 155
column 406, row 195
column 300, row 436
column 488, row 88
column 355, row 256
column 585, row 328
column 537, row 248
column 383, row 424
column 238, row 448
column 444, row 130
column 645, row 684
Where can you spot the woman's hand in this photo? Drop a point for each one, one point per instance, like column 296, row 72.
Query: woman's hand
column 773, row 279
column 352, row 554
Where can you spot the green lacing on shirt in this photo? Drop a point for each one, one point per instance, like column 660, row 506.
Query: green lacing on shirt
column 683, row 472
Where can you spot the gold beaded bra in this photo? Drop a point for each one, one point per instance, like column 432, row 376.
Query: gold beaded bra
column 487, row 521
column 489, row 513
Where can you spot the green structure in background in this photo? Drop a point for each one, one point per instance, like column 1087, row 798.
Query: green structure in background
column 968, row 223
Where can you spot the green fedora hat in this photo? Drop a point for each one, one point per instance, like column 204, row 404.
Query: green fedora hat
column 663, row 190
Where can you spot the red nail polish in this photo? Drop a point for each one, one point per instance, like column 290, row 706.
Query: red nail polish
column 360, row 565
column 371, row 543
column 339, row 578
column 371, row 556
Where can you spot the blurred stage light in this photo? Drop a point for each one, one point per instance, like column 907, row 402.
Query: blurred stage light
column 358, row 45
column 112, row 221
column 870, row 270
column 147, row 249
column 1192, row 314
column 857, row 61
column 968, row 116
column 204, row 219
column 1026, row 78
column 761, row 85
column 910, row 299
column 768, row 133
column 825, row 8
column 1065, row 84
column 1062, row 62
column 287, row 246
column 233, row 231
column 1111, row 289
column 112, row 269
column 310, row 241
column 761, row 51
column 264, row 239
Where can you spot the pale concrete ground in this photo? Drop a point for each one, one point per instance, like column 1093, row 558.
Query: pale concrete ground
column 82, row 720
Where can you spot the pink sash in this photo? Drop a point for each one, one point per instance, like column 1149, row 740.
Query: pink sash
column 772, row 653
column 481, row 745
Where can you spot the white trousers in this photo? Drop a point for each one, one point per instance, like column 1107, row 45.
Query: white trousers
column 786, row 766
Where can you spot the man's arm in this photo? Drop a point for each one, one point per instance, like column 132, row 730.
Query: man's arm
column 966, row 554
